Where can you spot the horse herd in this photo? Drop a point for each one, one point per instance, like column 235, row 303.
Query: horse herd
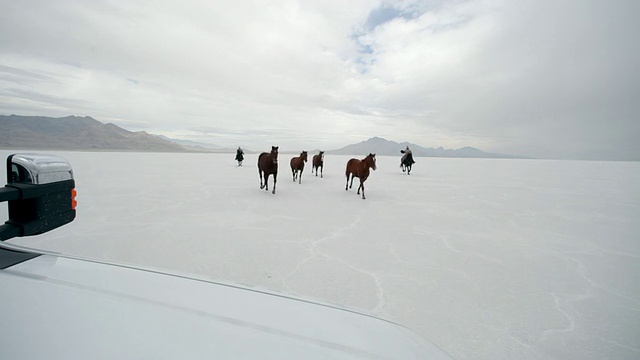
column 268, row 165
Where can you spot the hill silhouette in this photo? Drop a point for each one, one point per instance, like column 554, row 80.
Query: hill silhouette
column 76, row 133
column 381, row 146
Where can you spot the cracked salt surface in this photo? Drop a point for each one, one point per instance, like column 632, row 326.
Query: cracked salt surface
column 488, row 259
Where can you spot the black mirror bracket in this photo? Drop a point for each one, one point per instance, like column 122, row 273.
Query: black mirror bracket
column 35, row 208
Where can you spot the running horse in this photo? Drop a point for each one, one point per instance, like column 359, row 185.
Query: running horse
column 360, row 169
column 318, row 162
column 267, row 165
column 297, row 166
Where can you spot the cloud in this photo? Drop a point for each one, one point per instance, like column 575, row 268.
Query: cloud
column 536, row 78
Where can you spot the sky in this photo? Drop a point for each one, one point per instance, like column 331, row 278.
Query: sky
column 546, row 79
column 490, row 259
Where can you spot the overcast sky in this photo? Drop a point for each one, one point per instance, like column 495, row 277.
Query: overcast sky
column 540, row 78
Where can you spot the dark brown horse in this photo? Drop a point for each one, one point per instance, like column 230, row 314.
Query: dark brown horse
column 318, row 162
column 360, row 169
column 268, row 164
column 297, row 166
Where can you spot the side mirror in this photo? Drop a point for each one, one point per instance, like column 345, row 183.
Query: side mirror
column 41, row 194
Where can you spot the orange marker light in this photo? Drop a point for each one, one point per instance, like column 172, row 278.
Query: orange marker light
column 74, row 203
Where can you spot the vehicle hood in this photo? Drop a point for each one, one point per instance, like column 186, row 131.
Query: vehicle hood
column 65, row 308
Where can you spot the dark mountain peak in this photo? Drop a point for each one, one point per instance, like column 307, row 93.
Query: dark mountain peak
column 74, row 118
column 377, row 139
column 75, row 133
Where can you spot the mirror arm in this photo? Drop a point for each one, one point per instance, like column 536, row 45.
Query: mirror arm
column 9, row 193
column 8, row 231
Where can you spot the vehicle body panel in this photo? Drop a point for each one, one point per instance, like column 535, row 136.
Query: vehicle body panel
column 61, row 307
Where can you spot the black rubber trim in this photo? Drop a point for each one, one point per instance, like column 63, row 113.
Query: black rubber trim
column 10, row 257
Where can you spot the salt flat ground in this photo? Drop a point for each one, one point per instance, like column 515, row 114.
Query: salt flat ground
column 489, row 259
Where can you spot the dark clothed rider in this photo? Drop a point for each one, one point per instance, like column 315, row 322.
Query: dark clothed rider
column 407, row 153
column 239, row 156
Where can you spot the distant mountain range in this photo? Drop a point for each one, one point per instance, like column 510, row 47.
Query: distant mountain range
column 86, row 133
column 381, row 146
column 76, row 133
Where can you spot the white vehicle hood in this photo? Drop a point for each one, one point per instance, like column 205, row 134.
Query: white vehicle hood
column 63, row 308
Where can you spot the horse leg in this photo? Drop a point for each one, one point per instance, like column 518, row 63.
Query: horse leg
column 260, row 174
column 352, row 176
column 361, row 186
column 293, row 174
column 266, row 181
column 275, row 178
column 346, row 187
column 409, row 170
column 300, row 176
column 321, row 167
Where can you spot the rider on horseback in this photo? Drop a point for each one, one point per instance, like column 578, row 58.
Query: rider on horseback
column 407, row 156
column 239, row 156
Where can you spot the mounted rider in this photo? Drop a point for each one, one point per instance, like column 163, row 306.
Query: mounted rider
column 408, row 156
column 239, row 156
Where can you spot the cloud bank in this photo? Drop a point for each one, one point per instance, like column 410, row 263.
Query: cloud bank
column 536, row 78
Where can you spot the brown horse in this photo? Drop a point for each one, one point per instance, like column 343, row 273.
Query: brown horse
column 360, row 169
column 318, row 162
column 268, row 164
column 297, row 166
